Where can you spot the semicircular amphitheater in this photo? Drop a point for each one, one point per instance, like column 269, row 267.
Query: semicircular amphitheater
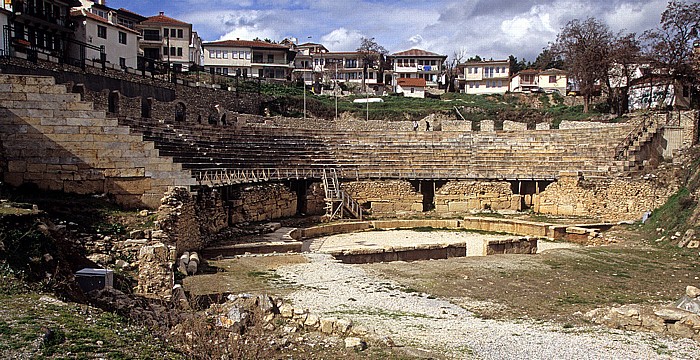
column 137, row 140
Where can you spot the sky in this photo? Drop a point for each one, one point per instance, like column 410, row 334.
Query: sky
column 488, row 28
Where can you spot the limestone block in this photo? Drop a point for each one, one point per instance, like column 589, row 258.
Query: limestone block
column 342, row 326
column 456, row 206
column 327, row 325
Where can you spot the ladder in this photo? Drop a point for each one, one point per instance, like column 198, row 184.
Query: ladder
column 338, row 202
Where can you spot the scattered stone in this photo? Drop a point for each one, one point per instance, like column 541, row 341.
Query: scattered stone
column 327, row 325
column 342, row 326
column 671, row 314
column 693, row 244
column 692, row 291
column 143, row 213
column 136, row 234
column 355, row 343
column 311, row 321
column 287, row 311
column 52, row 301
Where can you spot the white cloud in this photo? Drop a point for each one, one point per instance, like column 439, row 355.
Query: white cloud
column 342, row 39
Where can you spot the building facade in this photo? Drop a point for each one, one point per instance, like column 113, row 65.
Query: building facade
column 417, row 64
column 166, row 39
column 38, row 29
column 485, row 77
column 249, row 59
column 98, row 25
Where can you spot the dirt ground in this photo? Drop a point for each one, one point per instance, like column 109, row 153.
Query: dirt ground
column 556, row 285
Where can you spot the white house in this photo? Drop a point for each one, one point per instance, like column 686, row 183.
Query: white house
column 657, row 92
column 417, row 64
column 121, row 44
column 411, row 87
column 485, row 77
column 249, row 58
column 524, row 81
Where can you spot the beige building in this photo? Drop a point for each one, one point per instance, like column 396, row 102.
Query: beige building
column 553, row 80
column 417, row 64
column 97, row 26
column 315, row 63
column 485, row 77
column 166, row 39
column 249, row 58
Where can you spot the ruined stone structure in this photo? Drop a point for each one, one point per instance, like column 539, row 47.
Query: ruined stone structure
column 136, row 147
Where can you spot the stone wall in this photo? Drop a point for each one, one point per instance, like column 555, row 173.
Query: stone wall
column 314, row 202
column 385, row 197
column 514, row 126
column 613, row 199
column 262, row 202
column 52, row 139
column 462, row 196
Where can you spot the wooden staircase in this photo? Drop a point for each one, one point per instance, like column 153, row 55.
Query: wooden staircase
column 338, row 202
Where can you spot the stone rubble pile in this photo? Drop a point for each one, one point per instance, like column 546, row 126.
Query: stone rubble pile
column 682, row 320
column 237, row 313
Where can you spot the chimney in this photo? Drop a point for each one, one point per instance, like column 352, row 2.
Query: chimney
column 162, row 13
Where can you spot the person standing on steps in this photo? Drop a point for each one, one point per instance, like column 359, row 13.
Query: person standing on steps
column 427, row 125
column 415, row 125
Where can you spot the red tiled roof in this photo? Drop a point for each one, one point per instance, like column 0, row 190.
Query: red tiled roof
column 129, row 12
column 411, row 82
column 101, row 19
column 486, row 62
column 528, row 72
column 161, row 19
column 417, row 52
column 553, row 71
column 246, row 43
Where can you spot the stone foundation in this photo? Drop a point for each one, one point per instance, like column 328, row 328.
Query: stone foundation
column 156, row 277
column 607, row 199
column 463, row 196
column 262, row 202
column 385, row 197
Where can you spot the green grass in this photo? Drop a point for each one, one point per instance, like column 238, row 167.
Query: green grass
column 673, row 215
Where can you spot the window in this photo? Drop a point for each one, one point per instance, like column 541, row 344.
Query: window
column 218, row 54
column 498, row 70
column 122, row 62
column 211, row 54
column 180, row 34
column 172, row 51
column 503, row 69
column 101, row 31
column 471, row 85
column 225, row 54
column 173, row 33
column 241, row 55
column 469, row 70
column 165, row 50
column 271, row 59
column 247, row 55
column 166, row 32
column 179, row 51
column 122, row 37
column 234, row 54
column 552, row 79
column 413, row 90
column 225, row 71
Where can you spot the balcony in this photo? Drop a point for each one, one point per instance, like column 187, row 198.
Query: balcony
column 45, row 15
column 267, row 62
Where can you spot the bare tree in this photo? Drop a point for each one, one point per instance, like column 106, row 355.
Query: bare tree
column 585, row 49
column 372, row 56
column 625, row 59
column 452, row 69
column 670, row 47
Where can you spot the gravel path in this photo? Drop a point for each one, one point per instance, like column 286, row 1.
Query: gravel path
column 330, row 288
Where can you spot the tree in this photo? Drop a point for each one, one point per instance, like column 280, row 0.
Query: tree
column 517, row 65
column 625, row 58
column 670, row 47
column 585, row 49
column 547, row 59
column 452, row 69
column 372, row 55
column 474, row 58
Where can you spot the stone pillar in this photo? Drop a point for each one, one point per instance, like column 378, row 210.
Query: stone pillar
column 156, row 278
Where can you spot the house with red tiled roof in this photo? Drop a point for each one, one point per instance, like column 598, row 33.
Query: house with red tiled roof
column 417, row 64
column 246, row 58
column 97, row 25
column 168, row 40
column 411, row 87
